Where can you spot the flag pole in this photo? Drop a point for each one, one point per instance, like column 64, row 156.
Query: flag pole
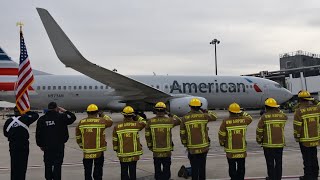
column 20, row 24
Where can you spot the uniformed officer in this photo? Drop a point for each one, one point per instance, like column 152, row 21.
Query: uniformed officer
column 51, row 135
column 306, row 132
column 126, row 142
column 194, row 136
column 232, row 136
column 159, row 140
column 16, row 129
column 91, row 137
column 270, row 134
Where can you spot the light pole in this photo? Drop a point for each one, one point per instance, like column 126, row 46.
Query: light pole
column 215, row 42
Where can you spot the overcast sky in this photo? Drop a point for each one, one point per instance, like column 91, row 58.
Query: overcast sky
column 166, row 36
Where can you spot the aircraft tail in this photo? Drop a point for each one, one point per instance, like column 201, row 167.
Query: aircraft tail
column 8, row 72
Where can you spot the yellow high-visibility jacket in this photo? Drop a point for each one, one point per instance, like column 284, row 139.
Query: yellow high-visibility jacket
column 270, row 129
column 158, row 134
column 90, row 135
column 194, row 131
column 126, row 139
column 306, row 124
column 232, row 134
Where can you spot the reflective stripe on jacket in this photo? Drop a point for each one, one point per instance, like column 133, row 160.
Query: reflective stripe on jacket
column 270, row 129
column 194, row 131
column 126, row 140
column 232, row 134
column 158, row 134
column 90, row 135
column 306, row 124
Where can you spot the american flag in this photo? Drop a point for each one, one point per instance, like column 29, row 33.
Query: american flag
column 25, row 79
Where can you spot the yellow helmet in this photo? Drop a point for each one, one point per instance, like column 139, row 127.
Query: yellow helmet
column 92, row 107
column 234, row 108
column 305, row 95
column 195, row 102
column 127, row 111
column 160, row 105
column 271, row 103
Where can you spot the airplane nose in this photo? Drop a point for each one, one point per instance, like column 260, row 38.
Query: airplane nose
column 285, row 95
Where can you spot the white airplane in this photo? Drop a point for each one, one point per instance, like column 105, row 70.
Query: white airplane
column 112, row 91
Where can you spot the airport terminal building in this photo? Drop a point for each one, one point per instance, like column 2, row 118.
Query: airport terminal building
column 298, row 70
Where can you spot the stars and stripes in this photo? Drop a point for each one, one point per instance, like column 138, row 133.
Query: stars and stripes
column 25, row 79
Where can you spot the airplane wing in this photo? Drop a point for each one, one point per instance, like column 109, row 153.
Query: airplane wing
column 71, row 57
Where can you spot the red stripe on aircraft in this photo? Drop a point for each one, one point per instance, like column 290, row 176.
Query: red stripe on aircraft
column 8, row 71
column 9, row 86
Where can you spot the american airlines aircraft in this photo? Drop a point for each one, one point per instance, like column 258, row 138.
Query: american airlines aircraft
column 112, row 91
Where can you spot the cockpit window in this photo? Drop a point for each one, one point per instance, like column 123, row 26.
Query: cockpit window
column 277, row 85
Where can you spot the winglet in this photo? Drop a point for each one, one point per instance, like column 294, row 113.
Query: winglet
column 62, row 45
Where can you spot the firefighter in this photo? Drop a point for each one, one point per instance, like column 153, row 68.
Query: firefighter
column 159, row 140
column 51, row 135
column 270, row 135
column 306, row 132
column 232, row 136
column 194, row 136
column 91, row 138
column 16, row 129
column 126, row 142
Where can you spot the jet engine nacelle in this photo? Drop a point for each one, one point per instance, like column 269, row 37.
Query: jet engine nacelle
column 180, row 106
column 115, row 105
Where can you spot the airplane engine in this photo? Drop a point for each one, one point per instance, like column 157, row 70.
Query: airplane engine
column 180, row 106
column 115, row 105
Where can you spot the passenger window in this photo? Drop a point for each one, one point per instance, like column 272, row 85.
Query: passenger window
column 64, row 87
column 80, row 87
column 43, row 88
column 101, row 87
column 59, row 87
column 38, row 88
column 49, row 87
column 74, row 87
column 95, row 87
column 85, row 87
column 69, row 87
column 53, row 87
column 90, row 87
column 106, row 87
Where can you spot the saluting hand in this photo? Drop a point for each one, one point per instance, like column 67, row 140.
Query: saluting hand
column 60, row 109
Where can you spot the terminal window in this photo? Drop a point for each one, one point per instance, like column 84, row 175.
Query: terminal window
column 289, row 64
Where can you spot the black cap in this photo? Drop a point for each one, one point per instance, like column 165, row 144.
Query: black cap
column 52, row 105
column 15, row 109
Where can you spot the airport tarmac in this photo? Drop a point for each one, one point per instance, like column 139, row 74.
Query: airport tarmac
column 217, row 166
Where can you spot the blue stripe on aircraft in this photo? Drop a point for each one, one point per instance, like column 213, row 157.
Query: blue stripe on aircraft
column 4, row 57
column 248, row 80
